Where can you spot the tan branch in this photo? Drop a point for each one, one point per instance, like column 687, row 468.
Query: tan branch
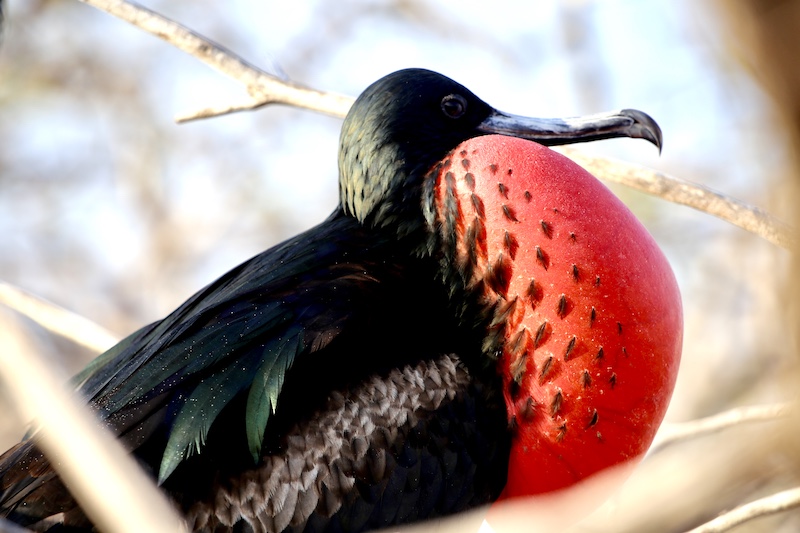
column 106, row 481
column 675, row 432
column 211, row 112
column 263, row 87
column 672, row 189
column 776, row 503
column 56, row 319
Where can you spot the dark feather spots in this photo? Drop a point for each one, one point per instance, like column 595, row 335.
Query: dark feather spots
column 503, row 190
column 546, row 368
column 570, row 347
column 477, row 204
column 528, row 409
column 465, row 163
column 493, row 168
column 541, row 257
column 509, row 213
column 534, row 292
column 518, row 370
column 613, row 380
column 594, row 419
column 555, row 405
column 619, row 328
column 624, row 352
column 476, row 241
column 576, row 275
column 592, row 317
column 494, row 340
column 453, row 222
column 463, row 153
column 502, row 311
column 586, row 379
column 510, row 172
column 499, row 275
column 563, row 306
column 541, row 335
column 597, row 281
column 546, row 229
column 600, row 353
column 469, row 177
column 528, row 196
column 562, row 432
column 522, row 342
column 532, row 289
column 511, row 244
column 572, row 236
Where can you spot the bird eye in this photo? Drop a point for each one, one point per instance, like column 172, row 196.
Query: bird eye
column 454, row 105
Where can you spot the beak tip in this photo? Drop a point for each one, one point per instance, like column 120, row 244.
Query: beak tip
column 645, row 127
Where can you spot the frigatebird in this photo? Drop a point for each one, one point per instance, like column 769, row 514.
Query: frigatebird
column 341, row 380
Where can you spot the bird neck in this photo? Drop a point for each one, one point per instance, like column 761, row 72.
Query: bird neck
column 458, row 246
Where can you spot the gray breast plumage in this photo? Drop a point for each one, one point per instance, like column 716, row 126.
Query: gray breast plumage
column 356, row 438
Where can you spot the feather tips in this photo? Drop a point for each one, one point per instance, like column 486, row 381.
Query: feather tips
column 262, row 399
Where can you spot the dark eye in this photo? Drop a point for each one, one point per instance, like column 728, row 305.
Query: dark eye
column 454, row 105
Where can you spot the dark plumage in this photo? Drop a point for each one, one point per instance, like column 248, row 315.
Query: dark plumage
column 335, row 382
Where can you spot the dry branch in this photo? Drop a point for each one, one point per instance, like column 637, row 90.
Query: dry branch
column 679, row 191
column 265, row 88
column 56, row 319
column 676, row 432
column 776, row 503
column 106, row 481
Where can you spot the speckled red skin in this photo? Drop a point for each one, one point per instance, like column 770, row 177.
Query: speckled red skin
column 591, row 392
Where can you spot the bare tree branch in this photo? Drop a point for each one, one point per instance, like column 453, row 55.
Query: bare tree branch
column 263, row 87
column 56, row 319
column 672, row 189
column 211, row 112
column 776, row 503
column 671, row 433
column 106, row 481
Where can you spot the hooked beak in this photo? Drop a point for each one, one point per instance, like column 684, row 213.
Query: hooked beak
column 555, row 131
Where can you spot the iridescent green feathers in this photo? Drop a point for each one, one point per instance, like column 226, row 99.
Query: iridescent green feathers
column 239, row 335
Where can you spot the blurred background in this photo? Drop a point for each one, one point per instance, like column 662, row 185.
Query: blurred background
column 110, row 209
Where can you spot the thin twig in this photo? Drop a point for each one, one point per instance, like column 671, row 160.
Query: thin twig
column 56, row 319
column 263, row 87
column 211, row 112
column 776, row 503
column 672, row 189
column 675, row 432
column 107, row 483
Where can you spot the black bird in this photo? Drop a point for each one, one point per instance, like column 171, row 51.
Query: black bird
column 335, row 382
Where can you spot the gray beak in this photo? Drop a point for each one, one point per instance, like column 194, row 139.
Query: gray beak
column 555, row 131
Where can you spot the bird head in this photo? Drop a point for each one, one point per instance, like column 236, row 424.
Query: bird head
column 406, row 122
